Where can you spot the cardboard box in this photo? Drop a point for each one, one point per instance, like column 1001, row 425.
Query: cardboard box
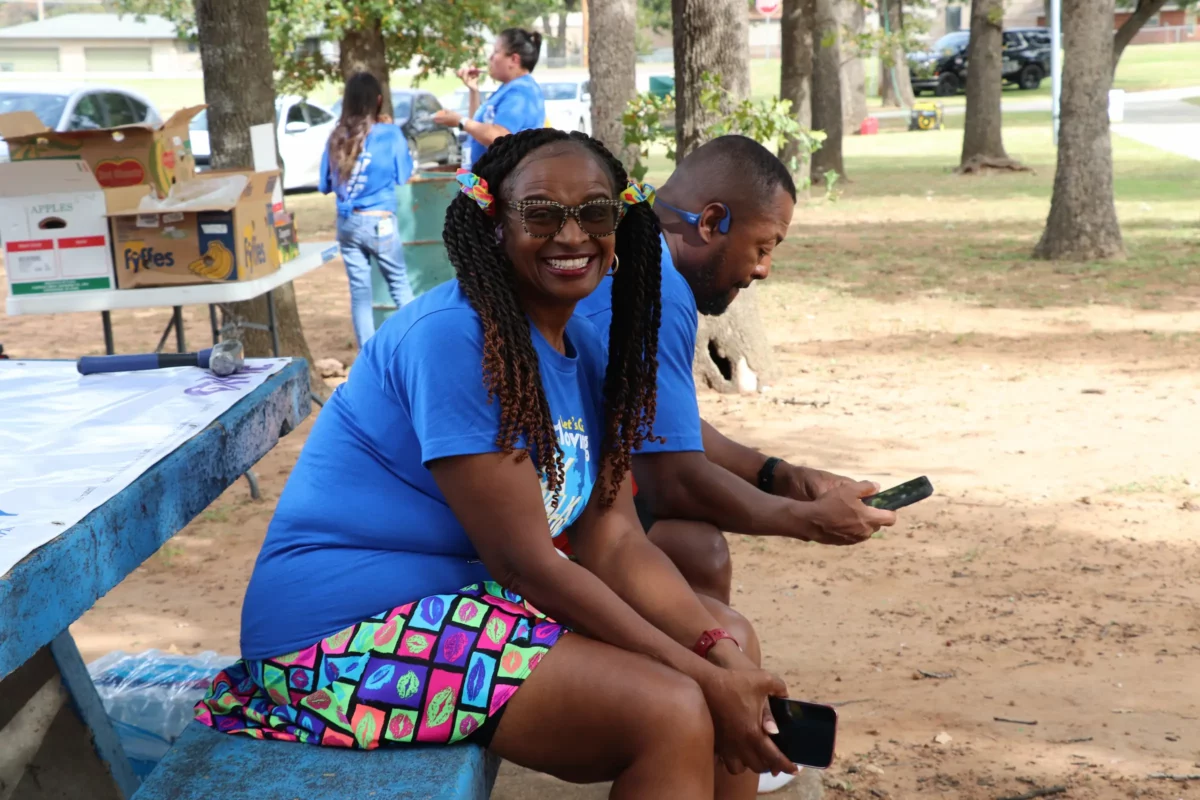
column 199, row 242
column 53, row 228
column 128, row 156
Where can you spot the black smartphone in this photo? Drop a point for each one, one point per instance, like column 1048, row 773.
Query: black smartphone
column 807, row 731
column 900, row 496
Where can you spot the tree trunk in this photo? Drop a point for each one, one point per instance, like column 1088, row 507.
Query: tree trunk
column 796, row 70
column 732, row 352
column 613, row 24
column 1082, row 225
column 983, row 145
column 1130, row 27
column 827, row 92
column 895, row 83
column 853, row 18
column 710, row 36
column 363, row 50
column 240, row 91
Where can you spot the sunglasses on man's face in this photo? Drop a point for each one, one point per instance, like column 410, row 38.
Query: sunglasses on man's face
column 543, row 219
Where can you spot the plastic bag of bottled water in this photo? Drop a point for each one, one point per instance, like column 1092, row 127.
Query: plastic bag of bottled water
column 149, row 697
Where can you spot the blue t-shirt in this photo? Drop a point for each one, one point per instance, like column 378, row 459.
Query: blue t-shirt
column 361, row 526
column 678, row 417
column 516, row 106
column 384, row 164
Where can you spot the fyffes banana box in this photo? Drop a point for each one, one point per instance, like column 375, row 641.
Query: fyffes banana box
column 131, row 155
column 201, row 241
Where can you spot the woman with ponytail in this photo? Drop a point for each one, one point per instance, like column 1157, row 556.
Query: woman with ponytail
column 518, row 105
column 366, row 158
column 456, row 556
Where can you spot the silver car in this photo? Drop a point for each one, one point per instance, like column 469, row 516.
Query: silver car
column 76, row 107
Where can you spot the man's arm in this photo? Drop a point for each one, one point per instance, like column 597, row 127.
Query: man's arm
column 787, row 480
column 687, row 485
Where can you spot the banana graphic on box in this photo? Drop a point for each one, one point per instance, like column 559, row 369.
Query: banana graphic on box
column 216, row 264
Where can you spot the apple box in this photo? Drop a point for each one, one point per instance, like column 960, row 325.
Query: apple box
column 53, row 228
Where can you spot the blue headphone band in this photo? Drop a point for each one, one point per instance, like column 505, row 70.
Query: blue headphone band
column 694, row 219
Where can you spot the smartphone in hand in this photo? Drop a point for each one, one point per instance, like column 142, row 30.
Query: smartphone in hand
column 900, row 496
column 807, row 731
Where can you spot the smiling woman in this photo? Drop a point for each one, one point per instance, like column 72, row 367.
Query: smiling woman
column 412, row 589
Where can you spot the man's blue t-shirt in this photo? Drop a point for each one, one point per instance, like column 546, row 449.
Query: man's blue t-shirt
column 516, row 106
column 361, row 526
column 384, row 164
column 678, row 417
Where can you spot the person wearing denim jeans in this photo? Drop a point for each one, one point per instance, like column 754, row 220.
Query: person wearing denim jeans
column 361, row 236
column 366, row 158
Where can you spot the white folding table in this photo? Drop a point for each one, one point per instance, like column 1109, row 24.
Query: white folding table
column 214, row 295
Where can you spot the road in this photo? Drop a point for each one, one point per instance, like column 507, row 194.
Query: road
column 1158, row 118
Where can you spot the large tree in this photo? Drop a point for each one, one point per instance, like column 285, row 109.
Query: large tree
column 732, row 352
column 983, row 144
column 612, row 64
column 240, row 92
column 852, row 18
column 827, row 90
column 709, row 36
column 795, row 74
column 1082, row 224
column 895, row 83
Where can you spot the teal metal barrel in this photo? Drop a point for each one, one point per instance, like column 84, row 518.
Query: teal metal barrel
column 420, row 213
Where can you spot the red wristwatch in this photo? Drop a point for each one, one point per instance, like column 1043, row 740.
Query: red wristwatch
column 709, row 638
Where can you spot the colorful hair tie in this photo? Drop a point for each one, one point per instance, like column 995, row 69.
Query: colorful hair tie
column 638, row 193
column 476, row 188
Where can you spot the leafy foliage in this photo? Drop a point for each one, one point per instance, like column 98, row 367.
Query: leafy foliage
column 769, row 122
column 432, row 36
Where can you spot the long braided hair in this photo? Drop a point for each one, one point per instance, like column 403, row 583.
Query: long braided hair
column 510, row 363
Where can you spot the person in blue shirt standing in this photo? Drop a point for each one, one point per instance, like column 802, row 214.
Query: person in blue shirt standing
column 364, row 161
column 517, row 105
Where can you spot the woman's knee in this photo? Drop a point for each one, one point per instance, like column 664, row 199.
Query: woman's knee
column 673, row 711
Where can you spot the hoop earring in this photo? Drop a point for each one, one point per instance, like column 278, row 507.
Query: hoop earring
column 616, row 264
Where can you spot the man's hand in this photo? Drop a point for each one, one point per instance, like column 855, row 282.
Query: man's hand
column 447, row 117
column 470, row 77
column 840, row 517
column 806, row 483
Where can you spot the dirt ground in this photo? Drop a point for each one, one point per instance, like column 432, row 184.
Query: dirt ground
column 1053, row 582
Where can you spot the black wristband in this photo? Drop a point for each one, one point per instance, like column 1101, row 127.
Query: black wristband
column 766, row 474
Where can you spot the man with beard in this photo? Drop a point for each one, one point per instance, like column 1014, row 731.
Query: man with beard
column 723, row 212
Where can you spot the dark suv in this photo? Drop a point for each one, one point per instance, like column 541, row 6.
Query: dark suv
column 943, row 70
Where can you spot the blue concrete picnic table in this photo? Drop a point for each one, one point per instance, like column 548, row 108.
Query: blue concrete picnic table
column 57, row 742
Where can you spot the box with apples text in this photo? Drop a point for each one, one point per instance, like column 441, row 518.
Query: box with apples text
column 227, row 226
column 54, row 227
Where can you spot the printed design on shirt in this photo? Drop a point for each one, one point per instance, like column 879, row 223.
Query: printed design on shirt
column 358, row 176
column 577, row 475
column 489, row 113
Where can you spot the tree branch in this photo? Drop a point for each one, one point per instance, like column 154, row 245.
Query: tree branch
column 1129, row 29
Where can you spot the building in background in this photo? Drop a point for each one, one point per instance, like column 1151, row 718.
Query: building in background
column 95, row 44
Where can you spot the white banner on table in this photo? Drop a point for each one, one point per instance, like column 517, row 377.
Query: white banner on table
column 70, row 442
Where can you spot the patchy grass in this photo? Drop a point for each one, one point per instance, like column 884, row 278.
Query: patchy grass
column 905, row 225
column 1193, row 100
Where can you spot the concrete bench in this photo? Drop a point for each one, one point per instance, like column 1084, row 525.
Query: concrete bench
column 204, row 764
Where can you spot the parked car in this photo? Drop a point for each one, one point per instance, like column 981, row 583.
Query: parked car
column 428, row 142
column 76, row 107
column 460, row 101
column 568, row 103
column 303, row 130
column 943, row 69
